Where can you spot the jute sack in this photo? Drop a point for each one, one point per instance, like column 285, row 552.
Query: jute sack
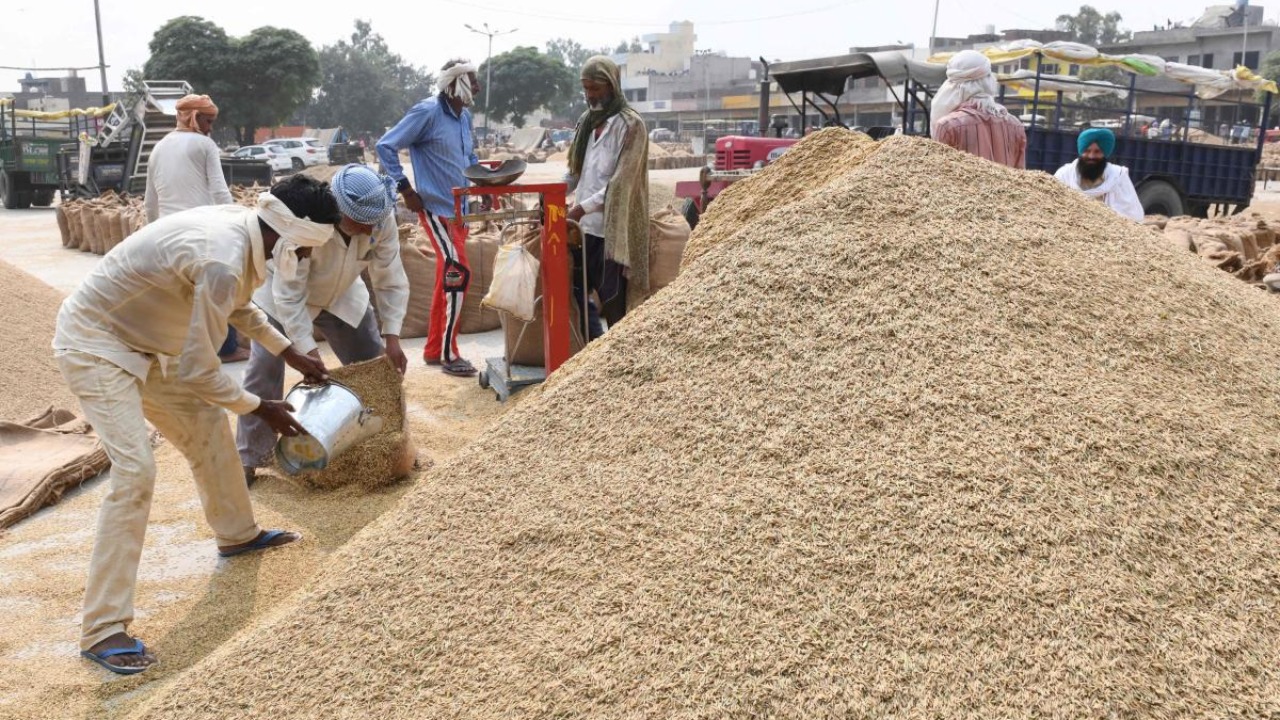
column 72, row 212
column 88, row 231
column 527, row 348
column 421, row 270
column 482, row 251
column 668, row 234
column 63, row 228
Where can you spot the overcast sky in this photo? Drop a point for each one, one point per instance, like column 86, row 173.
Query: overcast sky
column 60, row 33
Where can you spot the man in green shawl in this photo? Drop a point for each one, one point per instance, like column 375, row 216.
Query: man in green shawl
column 609, row 173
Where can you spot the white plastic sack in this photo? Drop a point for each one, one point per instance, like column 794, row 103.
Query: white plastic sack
column 515, row 282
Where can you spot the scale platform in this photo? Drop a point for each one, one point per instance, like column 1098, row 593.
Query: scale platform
column 505, row 379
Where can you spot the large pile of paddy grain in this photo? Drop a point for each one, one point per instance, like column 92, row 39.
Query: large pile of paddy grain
column 29, row 378
column 941, row 440
column 805, row 169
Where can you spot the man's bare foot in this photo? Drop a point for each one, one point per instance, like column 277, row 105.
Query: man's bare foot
column 266, row 539
column 126, row 662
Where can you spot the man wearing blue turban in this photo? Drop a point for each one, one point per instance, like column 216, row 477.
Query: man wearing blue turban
column 1093, row 175
column 326, row 291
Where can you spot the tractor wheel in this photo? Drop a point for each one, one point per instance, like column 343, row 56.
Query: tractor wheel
column 690, row 212
column 42, row 198
column 1160, row 198
column 11, row 197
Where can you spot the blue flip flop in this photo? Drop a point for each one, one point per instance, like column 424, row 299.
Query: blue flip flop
column 262, row 543
column 101, row 658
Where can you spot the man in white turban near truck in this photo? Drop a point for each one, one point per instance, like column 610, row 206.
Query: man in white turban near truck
column 184, row 171
column 437, row 134
column 138, row 341
column 609, row 175
column 966, row 116
column 325, row 291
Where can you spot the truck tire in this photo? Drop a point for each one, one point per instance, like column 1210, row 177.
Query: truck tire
column 1160, row 198
column 11, row 197
column 42, row 198
column 690, row 212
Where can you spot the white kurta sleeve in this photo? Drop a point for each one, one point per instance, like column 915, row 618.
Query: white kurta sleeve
column 212, row 302
column 252, row 321
column 218, row 189
column 290, row 298
column 390, row 283
column 1124, row 199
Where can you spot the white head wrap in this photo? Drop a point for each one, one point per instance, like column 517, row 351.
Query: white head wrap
column 295, row 232
column 448, row 81
column 969, row 79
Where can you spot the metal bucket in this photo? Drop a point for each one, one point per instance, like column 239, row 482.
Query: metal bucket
column 336, row 418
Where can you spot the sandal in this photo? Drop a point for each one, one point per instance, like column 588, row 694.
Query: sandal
column 458, row 368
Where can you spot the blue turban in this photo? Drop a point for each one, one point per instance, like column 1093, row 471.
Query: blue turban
column 1105, row 138
column 363, row 195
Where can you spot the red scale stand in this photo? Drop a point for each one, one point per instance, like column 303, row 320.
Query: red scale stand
column 555, row 267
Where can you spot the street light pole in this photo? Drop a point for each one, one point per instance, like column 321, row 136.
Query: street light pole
column 488, row 73
column 102, row 62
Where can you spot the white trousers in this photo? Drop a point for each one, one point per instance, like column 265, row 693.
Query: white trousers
column 117, row 405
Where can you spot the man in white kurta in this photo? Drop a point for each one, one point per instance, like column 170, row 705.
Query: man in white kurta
column 326, row 291
column 137, row 341
column 184, row 170
column 1097, row 178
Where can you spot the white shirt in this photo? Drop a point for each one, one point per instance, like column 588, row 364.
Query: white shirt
column 330, row 280
column 167, row 293
column 1116, row 189
column 184, row 172
column 598, row 166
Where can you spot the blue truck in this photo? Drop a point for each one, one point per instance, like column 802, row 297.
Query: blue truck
column 1174, row 175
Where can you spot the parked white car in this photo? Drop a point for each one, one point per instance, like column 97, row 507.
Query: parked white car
column 278, row 160
column 302, row 152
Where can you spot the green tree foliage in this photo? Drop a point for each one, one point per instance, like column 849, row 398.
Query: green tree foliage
column 258, row 80
column 525, row 80
column 1090, row 27
column 365, row 87
column 1270, row 70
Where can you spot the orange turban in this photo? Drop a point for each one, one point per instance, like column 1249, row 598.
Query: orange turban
column 190, row 106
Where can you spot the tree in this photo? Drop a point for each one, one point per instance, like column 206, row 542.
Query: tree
column 1270, row 70
column 571, row 53
column 1091, row 27
column 1110, row 74
column 365, row 87
column 632, row 46
column 259, row 80
column 525, row 80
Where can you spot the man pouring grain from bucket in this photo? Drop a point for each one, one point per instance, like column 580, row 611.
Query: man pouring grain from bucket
column 609, row 174
column 137, row 341
column 326, row 290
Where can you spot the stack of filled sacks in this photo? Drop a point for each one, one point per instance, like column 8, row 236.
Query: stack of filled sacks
column 98, row 224
column 1243, row 245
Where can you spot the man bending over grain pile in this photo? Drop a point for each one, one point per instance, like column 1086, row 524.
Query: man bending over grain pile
column 609, row 173
column 137, row 341
column 1099, row 179
column 966, row 116
column 326, row 290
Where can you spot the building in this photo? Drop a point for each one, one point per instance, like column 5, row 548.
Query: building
column 52, row 94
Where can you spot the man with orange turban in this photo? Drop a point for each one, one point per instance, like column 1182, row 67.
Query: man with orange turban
column 184, row 172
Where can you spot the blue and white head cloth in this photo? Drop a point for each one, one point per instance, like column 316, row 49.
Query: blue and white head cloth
column 363, row 195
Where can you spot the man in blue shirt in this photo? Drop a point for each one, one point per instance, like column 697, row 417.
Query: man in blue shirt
column 437, row 134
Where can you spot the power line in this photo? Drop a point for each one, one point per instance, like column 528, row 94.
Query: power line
column 631, row 23
column 50, row 69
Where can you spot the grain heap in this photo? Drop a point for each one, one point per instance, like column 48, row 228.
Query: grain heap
column 969, row 447
column 29, row 378
column 804, row 170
